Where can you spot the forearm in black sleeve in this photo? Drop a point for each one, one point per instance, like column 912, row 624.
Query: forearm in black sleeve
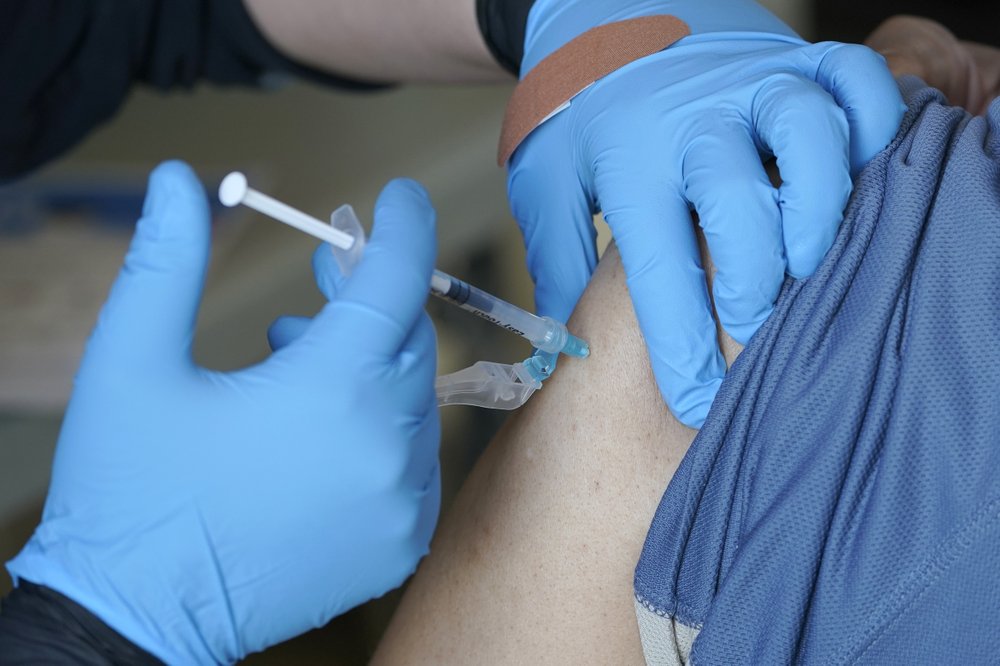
column 503, row 24
column 67, row 65
column 40, row 626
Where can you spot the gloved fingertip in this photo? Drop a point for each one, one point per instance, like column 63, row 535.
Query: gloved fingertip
column 405, row 220
column 175, row 211
column 800, row 272
column 285, row 330
column 551, row 305
column 405, row 191
column 741, row 332
column 170, row 178
column 561, row 275
column 692, row 406
column 802, row 262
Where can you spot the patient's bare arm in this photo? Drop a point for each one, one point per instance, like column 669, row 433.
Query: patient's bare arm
column 534, row 561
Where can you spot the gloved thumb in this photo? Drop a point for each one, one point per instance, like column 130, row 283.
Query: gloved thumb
column 150, row 313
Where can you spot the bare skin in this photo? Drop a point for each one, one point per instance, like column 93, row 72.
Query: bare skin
column 534, row 562
column 382, row 40
column 967, row 73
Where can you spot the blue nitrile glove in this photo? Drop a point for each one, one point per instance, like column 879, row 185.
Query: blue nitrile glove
column 687, row 127
column 205, row 515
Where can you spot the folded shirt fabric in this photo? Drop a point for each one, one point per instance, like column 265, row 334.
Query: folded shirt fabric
column 841, row 503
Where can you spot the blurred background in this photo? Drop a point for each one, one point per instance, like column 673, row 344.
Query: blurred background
column 64, row 230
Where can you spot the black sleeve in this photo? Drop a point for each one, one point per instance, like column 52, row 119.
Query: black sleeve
column 67, row 65
column 854, row 20
column 503, row 24
column 40, row 626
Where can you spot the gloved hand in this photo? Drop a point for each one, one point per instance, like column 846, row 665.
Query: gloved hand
column 688, row 126
column 205, row 515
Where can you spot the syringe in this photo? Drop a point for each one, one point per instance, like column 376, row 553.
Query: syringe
column 543, row 333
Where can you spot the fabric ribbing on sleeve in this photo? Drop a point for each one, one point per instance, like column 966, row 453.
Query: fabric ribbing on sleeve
column 40, row 626
column 66, row 66
column 841, row 503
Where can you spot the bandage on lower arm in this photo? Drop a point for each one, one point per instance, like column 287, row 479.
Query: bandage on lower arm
column 577, row 64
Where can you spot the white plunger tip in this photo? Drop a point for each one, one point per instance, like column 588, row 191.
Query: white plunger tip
column 233, row 189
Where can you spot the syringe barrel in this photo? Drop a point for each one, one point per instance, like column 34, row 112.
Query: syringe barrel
column 345, row 234
column 542, row 332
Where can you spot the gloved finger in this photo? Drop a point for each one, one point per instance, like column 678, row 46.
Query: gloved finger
column 151, row 310
column 807, row 132
column 659, row 250
column 379, row 304
column 285, row 330
column 327, row 273
column 738, row 210
column 556, row 219
column 862, row 85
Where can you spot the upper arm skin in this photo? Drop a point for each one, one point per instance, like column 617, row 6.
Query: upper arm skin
column 382, row 40
column 534, row 561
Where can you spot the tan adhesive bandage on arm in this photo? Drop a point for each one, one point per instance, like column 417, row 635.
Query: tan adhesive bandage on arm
column 577, row 64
